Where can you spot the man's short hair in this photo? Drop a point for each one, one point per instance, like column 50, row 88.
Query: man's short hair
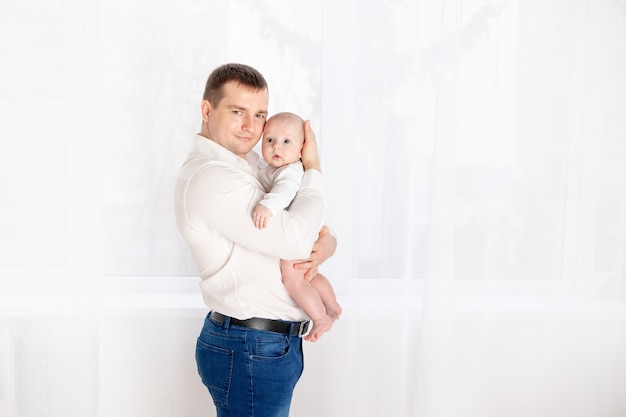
column 240, row 73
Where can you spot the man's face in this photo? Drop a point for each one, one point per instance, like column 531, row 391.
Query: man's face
column 237, row 121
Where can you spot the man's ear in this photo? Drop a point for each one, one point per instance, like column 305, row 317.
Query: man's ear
column 205, row 109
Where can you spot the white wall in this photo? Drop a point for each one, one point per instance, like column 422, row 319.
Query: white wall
column 473, row 154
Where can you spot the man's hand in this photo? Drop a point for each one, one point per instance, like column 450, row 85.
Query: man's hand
column 310, row 157
column 323, row 249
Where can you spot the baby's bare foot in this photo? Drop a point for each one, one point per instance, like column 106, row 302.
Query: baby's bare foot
column 320, row 326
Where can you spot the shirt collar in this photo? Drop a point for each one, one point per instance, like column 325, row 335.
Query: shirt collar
column 217, row 152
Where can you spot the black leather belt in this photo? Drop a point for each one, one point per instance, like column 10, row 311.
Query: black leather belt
column 288, row 328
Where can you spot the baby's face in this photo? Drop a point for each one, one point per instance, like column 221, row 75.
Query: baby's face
column 282, row 141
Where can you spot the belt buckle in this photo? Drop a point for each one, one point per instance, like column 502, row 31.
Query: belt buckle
column 303, row 327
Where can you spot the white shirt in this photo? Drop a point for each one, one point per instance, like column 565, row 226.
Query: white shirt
column 239, row 265
column 281, row 184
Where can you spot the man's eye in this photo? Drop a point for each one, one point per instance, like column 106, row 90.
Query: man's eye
column 260, row 116
column 237, row 112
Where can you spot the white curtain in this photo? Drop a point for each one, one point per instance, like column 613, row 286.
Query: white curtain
column 474, row 157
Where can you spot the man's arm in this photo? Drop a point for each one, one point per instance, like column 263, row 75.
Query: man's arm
column 323, row 249
column 326, row 243
column 220, row 199
column 310, row 156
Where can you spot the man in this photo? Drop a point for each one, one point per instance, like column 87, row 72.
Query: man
column 249, row 353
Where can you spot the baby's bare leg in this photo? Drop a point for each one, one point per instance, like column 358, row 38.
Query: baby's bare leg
column 327, row 294
column 307, row 298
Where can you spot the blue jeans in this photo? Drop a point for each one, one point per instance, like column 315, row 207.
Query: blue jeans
column 248, row 372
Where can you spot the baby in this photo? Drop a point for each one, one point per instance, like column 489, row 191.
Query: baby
column 283, row 137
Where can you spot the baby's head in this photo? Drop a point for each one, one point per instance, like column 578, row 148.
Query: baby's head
column 283, row 137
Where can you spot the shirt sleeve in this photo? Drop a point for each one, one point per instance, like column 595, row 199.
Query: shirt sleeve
column 219, row 198
column 286, row 182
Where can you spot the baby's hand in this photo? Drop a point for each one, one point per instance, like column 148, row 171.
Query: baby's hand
column 261, row 216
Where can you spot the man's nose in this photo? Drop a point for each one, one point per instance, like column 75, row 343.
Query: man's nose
column 248, row 123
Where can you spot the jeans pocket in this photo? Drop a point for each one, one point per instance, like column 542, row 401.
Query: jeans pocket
column 215, row 366
column 271, row 348
column 278, row 362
